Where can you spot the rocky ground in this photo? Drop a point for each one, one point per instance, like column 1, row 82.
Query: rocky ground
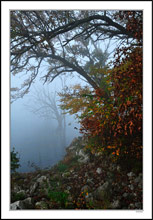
column 79, row 181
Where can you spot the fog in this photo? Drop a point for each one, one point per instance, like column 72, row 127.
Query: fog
column 36, row 139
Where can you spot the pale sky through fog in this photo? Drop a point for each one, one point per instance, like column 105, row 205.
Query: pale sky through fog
column 34, row 137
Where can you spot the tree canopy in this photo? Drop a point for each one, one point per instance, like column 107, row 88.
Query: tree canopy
column 67, row 41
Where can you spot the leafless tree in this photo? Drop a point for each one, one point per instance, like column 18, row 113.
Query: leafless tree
column 45, row 104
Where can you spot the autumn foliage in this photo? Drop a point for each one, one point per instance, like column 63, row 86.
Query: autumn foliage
column 134, row 23
column 113, row 124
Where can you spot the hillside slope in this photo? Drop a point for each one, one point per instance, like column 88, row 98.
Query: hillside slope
column 80, row 181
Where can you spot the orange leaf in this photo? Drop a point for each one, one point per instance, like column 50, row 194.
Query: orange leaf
column 128, row 102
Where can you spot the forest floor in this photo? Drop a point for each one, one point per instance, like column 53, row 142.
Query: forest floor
column 79, row 181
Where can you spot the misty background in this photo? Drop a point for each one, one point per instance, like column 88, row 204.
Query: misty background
column 36, row 138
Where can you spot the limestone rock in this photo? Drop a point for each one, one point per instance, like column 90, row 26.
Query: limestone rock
column 69, row 199
column 118, row 168
column 98, row 154
column 131, row 206
column 83, row 160
column 24, row 204
column 98, row 170
column 41, row 179
column 16, row 188
column 138, row 205
column 21, row 192
column 85, row 188
column 66, row 174
column 140, row 185
column 131, row 187
column 67, row 191
column 90, row 181
column 33, row 188
column 115, row 204
column 41, row 205
column 138, row 179
column 17, row 205
column 28, row 203
column 125, row 194
column 86, row 174
column 68, row 188
column 100, row 191
column 83, row 156
column 131, row 174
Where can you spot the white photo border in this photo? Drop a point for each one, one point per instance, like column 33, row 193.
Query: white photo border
column 146, row 6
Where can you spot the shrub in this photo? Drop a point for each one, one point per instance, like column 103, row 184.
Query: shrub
column 17, row 196
column 14, row 160
column 58, row 197
column 62, row 167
